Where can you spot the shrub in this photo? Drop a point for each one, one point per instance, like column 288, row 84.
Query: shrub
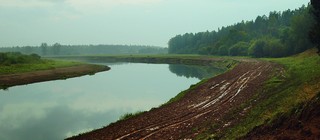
column 239, row 49
column 11, row 58
column 268, row 47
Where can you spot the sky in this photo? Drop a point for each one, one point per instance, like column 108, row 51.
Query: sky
column 129, row 22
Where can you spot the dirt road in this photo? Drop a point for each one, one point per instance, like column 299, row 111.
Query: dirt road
column 186, row 118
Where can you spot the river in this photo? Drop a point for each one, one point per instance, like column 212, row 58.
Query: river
column 58, row 109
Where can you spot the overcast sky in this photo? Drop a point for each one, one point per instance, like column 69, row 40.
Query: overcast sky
column 139, row 22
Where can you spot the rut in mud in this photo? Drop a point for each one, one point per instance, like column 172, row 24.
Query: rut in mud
column 206, row 104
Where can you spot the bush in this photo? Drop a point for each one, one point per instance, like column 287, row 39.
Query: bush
column 268, row 47
column 239, row 49
column 11, row 58
column 257, row 48
column 223, row 50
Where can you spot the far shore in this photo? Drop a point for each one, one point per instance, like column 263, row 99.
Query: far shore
column 10, row 80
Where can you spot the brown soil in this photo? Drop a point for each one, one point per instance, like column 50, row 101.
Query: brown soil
column 206, row 104
column 305, row 125
column 47, row 75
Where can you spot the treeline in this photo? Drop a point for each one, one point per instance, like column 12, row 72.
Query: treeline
column 11, row 58
column 276, row 35
column 57, row 49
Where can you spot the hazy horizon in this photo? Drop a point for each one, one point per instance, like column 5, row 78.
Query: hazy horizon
column 130, row 22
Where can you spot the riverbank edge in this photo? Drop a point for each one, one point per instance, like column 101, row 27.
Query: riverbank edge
column 286, row 69
column 224, row 62
column 10, row 80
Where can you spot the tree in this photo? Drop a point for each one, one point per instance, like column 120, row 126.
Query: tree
column 223, row 50
column 28, row 50
column 275, row 48
column 257, row 48
column 44, row 48
column 314, row 34
column 204, row 49
column 56, row 48
column 300, row 26
column 286, row 32
column 239, row 49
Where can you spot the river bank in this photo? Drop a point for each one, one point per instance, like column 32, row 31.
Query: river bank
column 9, row 80
column 201, row 106
column 253, row 95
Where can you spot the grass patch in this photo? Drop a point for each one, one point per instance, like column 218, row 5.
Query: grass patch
column 35, row 66
column 130, row 115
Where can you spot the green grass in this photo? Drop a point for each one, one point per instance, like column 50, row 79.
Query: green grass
column 130, row 115
column 35, row 66
column 282, row 95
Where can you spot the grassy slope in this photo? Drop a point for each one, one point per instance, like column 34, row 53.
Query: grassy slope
column 42, row 65
column 283, row 95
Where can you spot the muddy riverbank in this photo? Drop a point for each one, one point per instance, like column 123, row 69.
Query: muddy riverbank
column 203, row 105
column 10, row 80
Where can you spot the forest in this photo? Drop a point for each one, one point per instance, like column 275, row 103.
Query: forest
column 277, row 35
column 58, row 49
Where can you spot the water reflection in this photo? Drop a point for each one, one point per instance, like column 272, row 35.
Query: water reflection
column 193, row 71
column 58, row 109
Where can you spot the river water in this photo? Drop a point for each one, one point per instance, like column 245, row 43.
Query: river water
column 62, row 108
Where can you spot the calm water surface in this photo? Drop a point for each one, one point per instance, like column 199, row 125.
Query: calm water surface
column 59, row 109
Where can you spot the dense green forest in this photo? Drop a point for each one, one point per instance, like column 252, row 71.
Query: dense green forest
column 57, row 49
column 276, row 35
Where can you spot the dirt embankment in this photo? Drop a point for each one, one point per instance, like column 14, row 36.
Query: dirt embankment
column 303, row 125
column 204, row 105
column 47, row 75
